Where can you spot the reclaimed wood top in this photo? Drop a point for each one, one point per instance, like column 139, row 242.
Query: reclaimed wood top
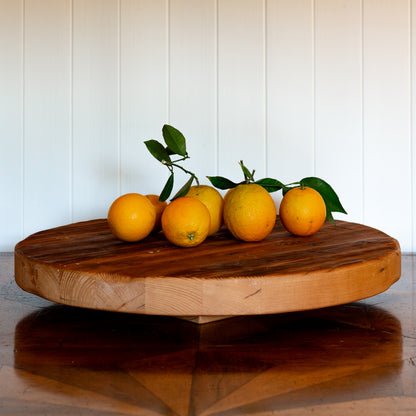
column 84, row 265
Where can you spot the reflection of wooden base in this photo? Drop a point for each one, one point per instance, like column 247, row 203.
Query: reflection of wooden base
column 83, row 265
column 204, row 319
column 352, row 357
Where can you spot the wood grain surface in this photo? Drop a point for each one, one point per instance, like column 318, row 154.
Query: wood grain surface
column 84, row 265
column 346, row 360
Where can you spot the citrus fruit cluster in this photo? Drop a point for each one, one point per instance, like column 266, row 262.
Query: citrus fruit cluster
column 198, row 211
column 247, row 210
column 186, row 221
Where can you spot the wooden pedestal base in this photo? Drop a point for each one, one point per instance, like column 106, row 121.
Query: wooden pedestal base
column 204, row 319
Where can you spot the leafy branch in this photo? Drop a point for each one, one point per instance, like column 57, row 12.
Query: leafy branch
column 175, row 145
column 329, row 196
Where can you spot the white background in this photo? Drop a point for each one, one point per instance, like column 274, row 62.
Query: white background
column 295, row 88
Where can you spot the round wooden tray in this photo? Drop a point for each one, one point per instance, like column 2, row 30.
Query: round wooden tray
column 84, row 265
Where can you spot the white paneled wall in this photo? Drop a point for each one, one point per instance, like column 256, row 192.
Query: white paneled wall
column 290, row 89
column 387, row 118
column 338, row 99
column 295, row 88
column 241, row 86
column 11, row 123
column 46, row 115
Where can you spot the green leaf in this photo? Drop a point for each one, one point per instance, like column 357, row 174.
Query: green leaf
column 270, row 185
column 185, row 189
column 330, row 197
column 221, row 182
column 170, row 152
column 174, row 139
column 167, row 189
column 329, row 216
column 157, row 150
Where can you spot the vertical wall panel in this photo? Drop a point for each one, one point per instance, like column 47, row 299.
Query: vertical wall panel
column 11, row 48
column 46, row 114
column 338, row 100
column 241, row 92
column 294, row 88
column 143, row 91
column 95, row 107
column 387, row 186
column 192, row 94
column 290, row 90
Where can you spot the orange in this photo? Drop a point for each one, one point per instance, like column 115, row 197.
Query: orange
column 212, row 199
column 227, row 193
column 249, row 212
column 186, row 222
column 302, row 211
column 159, row 207
column 131, row 217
